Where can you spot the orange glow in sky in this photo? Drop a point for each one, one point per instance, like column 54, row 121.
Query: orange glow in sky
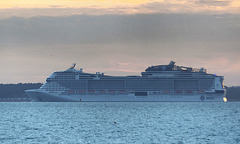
column 68, row 3
column 111, row 3
column 28, row 8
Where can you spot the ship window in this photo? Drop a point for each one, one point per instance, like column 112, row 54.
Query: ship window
column 140, row 93
column 220, row 91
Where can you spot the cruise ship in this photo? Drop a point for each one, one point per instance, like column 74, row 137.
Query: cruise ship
column 160, row 83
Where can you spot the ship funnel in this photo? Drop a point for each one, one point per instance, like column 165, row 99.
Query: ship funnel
column 171, row 63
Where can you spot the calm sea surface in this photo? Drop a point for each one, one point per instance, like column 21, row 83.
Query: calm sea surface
column 142, row 122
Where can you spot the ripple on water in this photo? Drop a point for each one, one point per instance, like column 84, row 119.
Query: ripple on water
column 135, row 122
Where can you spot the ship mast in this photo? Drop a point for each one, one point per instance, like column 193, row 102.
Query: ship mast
column 73, row 66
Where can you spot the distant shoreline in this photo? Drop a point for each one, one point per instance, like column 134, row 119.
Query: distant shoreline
column 26, row 100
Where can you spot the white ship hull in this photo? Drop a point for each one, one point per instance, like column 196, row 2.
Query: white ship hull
column 41, row 96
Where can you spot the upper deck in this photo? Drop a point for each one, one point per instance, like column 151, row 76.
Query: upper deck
column 172, row 67
column 165, row 71
column 155, row 78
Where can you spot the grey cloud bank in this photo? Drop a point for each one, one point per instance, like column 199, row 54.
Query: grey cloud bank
column 213, row 2
column 32, row 48
column 119, row 28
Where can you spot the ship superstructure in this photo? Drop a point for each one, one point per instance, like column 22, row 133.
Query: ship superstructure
column 158, row 83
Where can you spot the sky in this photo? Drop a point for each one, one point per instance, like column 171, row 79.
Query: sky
column 120, row 37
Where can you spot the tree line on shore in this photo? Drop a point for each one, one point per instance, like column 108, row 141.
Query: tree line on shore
column 233, row 93
column 17, row 91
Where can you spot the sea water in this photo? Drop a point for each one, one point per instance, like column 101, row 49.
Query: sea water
column 120, row 122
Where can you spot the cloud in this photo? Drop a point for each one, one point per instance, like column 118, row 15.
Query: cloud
column 190, row 6
column 108, row 29
column 125, row 8
column 55, row 6
column 213, row 2
column 116, row 43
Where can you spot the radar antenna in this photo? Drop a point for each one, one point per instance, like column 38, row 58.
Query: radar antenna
column 73, row 66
